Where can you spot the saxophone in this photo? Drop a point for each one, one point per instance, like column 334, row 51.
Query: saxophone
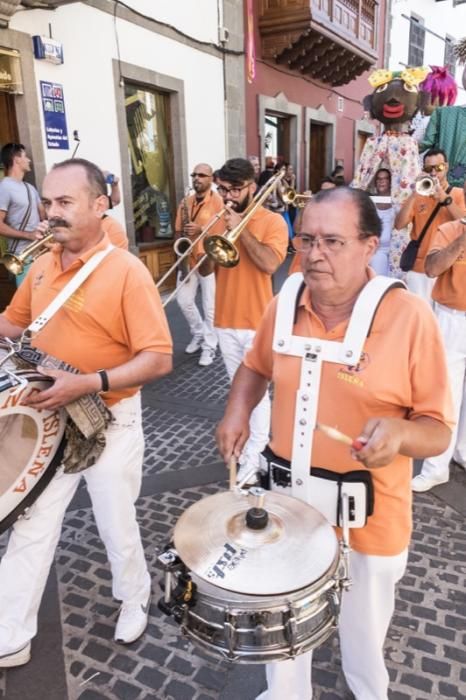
column 184, row 266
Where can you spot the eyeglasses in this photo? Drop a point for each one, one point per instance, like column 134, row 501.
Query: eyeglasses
column 193, row 175
column 439, row 168
column 304, row 242
column 233, row 191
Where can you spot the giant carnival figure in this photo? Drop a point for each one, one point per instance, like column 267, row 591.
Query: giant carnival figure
column 394, row 102
column 447, row 130
column 437, row 90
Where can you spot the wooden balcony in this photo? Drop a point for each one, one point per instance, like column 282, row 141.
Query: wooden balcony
column 330, row 40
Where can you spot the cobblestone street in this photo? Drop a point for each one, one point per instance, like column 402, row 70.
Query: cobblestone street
column 74, row 655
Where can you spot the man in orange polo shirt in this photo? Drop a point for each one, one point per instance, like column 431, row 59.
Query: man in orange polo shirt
column 243, row 291
column 194, row 212
column 114, row 331
column 416, row 211
column 446, row 261
column 394, row 396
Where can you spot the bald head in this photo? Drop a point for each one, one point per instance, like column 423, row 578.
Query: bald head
column 202, row 178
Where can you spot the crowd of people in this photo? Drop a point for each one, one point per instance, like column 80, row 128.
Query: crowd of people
column 393, row 390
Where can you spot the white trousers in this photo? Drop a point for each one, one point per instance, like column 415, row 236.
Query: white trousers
column 420, row 284
column 366, row 611
column 113, row 484
column 453, row 326
column 186, row 298
column 234, row 345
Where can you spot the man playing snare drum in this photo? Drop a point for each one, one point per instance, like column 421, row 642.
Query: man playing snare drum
column 113, row 330
column 392, row 393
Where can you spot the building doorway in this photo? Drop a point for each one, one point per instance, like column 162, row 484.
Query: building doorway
column 8, row 134
column 320, row 140
column 277, row 146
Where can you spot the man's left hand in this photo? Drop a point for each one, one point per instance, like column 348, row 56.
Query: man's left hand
column 383, row 438
column 66, row 387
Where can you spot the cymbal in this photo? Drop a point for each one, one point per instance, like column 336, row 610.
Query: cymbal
column 295, row 548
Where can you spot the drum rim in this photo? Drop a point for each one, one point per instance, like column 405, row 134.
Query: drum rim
column 48, row 473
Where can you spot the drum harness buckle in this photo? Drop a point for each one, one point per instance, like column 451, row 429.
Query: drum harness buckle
column 14, row 347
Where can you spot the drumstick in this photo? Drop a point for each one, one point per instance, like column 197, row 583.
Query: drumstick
column 232, row 468
column 339, row 436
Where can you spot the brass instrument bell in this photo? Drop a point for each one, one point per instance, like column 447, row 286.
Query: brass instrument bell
column 16, row 263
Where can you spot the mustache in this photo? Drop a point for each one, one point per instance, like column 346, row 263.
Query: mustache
column 55, row 223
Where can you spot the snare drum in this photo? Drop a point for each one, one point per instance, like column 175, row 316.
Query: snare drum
column 31, row 443
column 249, row 593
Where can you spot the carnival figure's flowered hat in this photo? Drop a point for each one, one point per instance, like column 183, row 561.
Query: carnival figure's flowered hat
column 410, row 76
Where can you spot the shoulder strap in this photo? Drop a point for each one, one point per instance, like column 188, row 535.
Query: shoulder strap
column 75, row 282
column 360, row 322
column 430, row 219
column 25, row 220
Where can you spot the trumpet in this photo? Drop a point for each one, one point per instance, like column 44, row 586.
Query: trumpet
column 16, row 263
column 221, row 248
column 296, row 199
column 425, row 185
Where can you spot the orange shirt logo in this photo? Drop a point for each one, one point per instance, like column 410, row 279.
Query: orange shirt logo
column 76, row 301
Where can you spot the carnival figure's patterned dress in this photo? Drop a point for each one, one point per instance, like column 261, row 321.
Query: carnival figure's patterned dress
column 398, row 152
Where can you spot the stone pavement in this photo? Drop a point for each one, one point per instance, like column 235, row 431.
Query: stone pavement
column 74, row 656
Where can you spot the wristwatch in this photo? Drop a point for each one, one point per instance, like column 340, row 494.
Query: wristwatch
column 447, row 201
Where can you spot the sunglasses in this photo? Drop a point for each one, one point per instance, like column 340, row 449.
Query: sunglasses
column 439, row 168
column 193, row 175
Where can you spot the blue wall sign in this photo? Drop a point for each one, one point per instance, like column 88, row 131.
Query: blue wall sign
column 47, row 49
column 53, row 105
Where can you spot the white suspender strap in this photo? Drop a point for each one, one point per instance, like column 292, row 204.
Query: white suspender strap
column 314, row 352
column 68, row 290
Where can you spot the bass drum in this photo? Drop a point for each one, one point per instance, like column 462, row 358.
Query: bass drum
column 31, row 444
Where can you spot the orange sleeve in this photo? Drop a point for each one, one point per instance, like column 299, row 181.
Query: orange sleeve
column 260, row 357
column 443, row 236
column 431, row 394
column 115, row 232
column 275, row 235
column 145, row 321
column 459, row 198
column 19, row 309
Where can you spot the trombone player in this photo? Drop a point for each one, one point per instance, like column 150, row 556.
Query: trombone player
column 194, row 212
column 417, row 210
column 244, row 290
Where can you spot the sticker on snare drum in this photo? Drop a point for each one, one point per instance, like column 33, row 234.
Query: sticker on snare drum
column 229, row 560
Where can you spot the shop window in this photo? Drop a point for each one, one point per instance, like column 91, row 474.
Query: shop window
column 151, row 162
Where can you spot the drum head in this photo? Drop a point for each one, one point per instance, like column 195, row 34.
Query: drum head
column 296, row 548
column 31, row 446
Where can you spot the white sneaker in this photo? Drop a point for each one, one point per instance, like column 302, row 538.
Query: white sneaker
column 243, row 472
column 17, row 658
column 132, row 621
column 422, row 483
column 193, row 346
column 207, row 357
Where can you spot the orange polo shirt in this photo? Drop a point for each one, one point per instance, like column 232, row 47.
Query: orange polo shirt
column 199, row 213
column 243, row 292
column 450, row 287
column 423, row 207
column 402, row 374
column 114, row 315
column 115, row 232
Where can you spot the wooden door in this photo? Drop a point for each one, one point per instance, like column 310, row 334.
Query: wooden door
column 8, row 134
column 317, row 155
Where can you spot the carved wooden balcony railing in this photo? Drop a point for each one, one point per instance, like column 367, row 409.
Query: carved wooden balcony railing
column 331, row 40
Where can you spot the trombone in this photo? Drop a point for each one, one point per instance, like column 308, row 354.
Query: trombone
column 184, row 246
column 16, row 263
column 296, row 199
column 221, row 247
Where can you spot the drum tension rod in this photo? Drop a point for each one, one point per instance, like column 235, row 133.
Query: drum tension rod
column 181, row 595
